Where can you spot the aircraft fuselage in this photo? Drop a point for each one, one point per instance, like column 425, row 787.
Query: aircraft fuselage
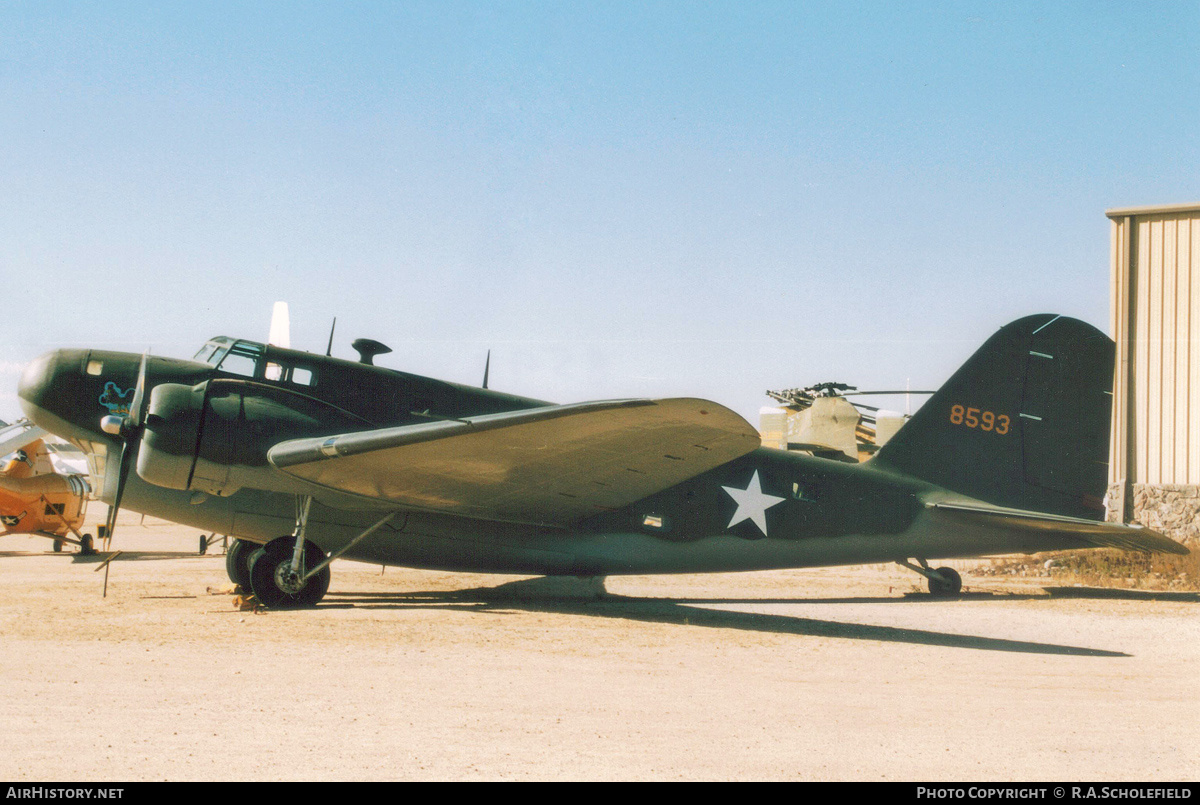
column 767, row 509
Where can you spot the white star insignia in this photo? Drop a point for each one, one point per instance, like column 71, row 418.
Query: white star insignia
column 752, row 503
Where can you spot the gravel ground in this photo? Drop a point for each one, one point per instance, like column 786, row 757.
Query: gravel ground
column 830, row 674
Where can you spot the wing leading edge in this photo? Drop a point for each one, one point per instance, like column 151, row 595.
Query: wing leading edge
column 549, row 466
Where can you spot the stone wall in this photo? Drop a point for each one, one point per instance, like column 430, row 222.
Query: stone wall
column 1113, row 503
column 1170, row 509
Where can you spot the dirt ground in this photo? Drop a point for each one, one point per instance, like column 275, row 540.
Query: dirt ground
column 831, row 674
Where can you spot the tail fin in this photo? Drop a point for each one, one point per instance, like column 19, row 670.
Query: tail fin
column 32, row 459
column 1023, row 424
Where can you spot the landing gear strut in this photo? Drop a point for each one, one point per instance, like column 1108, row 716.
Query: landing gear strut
column 945, row 582
column 292, row 572
column 280, row 574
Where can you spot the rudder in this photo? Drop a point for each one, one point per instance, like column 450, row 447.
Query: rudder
column 1024, row 423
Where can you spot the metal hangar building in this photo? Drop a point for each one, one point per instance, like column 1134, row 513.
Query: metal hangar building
column 1154, row 456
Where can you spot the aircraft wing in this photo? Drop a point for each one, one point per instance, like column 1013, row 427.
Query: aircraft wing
column 1058, row 529
column 15, row 436
column 550, row 465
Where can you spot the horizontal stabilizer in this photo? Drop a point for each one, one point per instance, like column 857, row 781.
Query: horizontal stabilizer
column 550, row 465
column 1059, row 531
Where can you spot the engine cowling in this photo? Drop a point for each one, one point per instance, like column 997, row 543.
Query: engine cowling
column 171, row 435
column 214, row 437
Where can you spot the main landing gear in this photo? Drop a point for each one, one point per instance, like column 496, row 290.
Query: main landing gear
column 288, row 572
column 945, row 582
column 266, row 570
column 237, row 562
column 86, row 547
column 277, row 585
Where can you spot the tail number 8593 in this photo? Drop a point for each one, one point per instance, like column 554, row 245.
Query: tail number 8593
column 978, row 418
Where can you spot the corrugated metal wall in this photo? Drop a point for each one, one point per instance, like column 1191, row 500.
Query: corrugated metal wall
column 1156, row 324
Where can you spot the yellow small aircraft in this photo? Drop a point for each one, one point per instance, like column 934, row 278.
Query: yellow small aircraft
column 35, row 498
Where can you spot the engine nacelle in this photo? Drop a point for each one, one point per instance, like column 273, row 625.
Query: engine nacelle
column 171, row 435
column 214, row 437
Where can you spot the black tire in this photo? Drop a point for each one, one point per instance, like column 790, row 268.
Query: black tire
column 58, row 543
column 237, row 562
column 948, row 586
column 203, row 544
column 86, row 548
column 269, row 566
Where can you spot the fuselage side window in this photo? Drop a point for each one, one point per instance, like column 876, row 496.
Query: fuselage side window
column 283, row 372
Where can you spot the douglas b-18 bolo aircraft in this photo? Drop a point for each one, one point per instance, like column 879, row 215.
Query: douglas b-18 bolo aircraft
column 313, row 457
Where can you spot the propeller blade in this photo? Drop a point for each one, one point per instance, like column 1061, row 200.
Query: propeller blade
column 138, row 403
column 122, row 475
column 130, row 432
column 108, row 526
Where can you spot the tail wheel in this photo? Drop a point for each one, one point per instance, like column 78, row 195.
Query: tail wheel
column 237, row 562
column 272, row 581
column 950, row 583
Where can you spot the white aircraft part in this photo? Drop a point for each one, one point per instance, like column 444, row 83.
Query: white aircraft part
column 72, row 463
column 16, row 436
column 281, row 328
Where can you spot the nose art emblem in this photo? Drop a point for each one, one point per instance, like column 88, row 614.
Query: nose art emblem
column 115, row 400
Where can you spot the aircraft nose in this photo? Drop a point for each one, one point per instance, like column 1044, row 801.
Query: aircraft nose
column 36, row 381
column 46, row 390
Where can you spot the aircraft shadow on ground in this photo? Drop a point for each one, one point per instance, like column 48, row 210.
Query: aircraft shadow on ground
column 77, row 558
column 685, row 612
column 132, row 556
column 1124, row 595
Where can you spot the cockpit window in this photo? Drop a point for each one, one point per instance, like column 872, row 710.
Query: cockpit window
column 247, row 359
column 213, row 351
column 240, row 359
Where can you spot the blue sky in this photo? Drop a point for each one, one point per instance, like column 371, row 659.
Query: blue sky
column 618, row 199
